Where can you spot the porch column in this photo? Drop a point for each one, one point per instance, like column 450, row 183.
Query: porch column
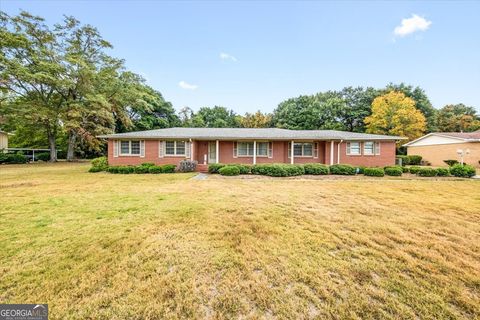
column 332, row 149
column 254, row 152
column 216, row 151
column 291, row 152
column 192, row 150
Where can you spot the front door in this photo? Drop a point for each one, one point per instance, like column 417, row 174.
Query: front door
column 212, row 152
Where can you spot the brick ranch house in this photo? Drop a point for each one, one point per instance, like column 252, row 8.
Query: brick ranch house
column 250, row 146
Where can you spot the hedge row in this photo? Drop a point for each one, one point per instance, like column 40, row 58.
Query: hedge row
column 143, row 168
column 287, row 170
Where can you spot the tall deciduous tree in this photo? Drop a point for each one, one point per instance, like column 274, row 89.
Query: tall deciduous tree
column 422, row 102
column 456, row 118
column 31, row 75
column 256, row 120
column 395, row 114
column 216, row 117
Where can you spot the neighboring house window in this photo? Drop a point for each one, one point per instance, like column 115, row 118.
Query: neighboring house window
column 368, row 148
column 175, row 148
column 353, row 148
column 245, row 149
column 130, row 147
column 301, row 149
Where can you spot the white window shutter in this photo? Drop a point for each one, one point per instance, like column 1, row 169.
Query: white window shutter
column 377, row 148
column 348, row 147
column 115, row 148
column 289, row 150
column 270, row 149
column 235, row 155
column 315, row 149
column 142, row 148
column 187, row 149
column 161, row 149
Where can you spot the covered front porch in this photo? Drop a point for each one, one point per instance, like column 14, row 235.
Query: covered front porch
column 263, row 151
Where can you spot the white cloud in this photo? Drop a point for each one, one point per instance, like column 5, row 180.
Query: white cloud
column 186, row 85
column 226, row 56
column 411, row 25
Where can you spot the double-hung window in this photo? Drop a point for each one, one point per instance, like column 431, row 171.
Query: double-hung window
column 262, row 149
column 245, row 149
column 175, row 148
column 130, row 148
column 353, row 149
column 301, row 149
column 368, row 148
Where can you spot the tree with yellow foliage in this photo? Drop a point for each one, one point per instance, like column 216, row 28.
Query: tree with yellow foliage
column 256, row 120
column 395, row 114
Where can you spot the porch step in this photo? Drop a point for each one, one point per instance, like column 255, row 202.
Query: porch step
column 202, row 167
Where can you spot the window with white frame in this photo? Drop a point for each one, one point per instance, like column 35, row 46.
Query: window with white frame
column 304, row 149
column 368, row 148
column 262, row 149
column 175, row 148
column 245, row 149
column 353, row 149
column 130, row 148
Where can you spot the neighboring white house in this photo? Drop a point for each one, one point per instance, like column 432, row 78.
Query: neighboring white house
column 439, row 146
column 3, row 140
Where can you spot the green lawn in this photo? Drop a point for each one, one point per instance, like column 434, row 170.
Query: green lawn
column 102, row 246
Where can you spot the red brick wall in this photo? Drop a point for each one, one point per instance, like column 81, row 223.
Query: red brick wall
column 151, row 155
column 280, row 154
column 385, row 158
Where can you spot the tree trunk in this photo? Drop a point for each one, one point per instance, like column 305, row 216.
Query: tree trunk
column 72, row 138
column 52, row 141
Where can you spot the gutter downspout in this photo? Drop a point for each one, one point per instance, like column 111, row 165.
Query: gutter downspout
column 338, row 150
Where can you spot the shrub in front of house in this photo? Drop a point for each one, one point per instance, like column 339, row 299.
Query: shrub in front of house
column 294, row 169
column 443, row 172
column 395, row 171
column 214, row 167
column 464, row 171
column 414, row 160
column 405, row 169
column 343, row 169
column 451, row 163
column 95, row 169
column 229, row 170
column 374, row 172
column 155, row 169
column 99, row 164
column 169, row 168
column 187, row 166
column 278, row 170
column 147, row 164
column 141, row 169
column 316, row 169
column 244, row 168
column 414, row 169
column 427, row 172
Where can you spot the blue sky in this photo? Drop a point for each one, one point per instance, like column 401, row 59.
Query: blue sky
column 253, row 55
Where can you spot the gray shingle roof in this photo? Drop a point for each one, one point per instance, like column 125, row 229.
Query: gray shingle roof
column 247, row 134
